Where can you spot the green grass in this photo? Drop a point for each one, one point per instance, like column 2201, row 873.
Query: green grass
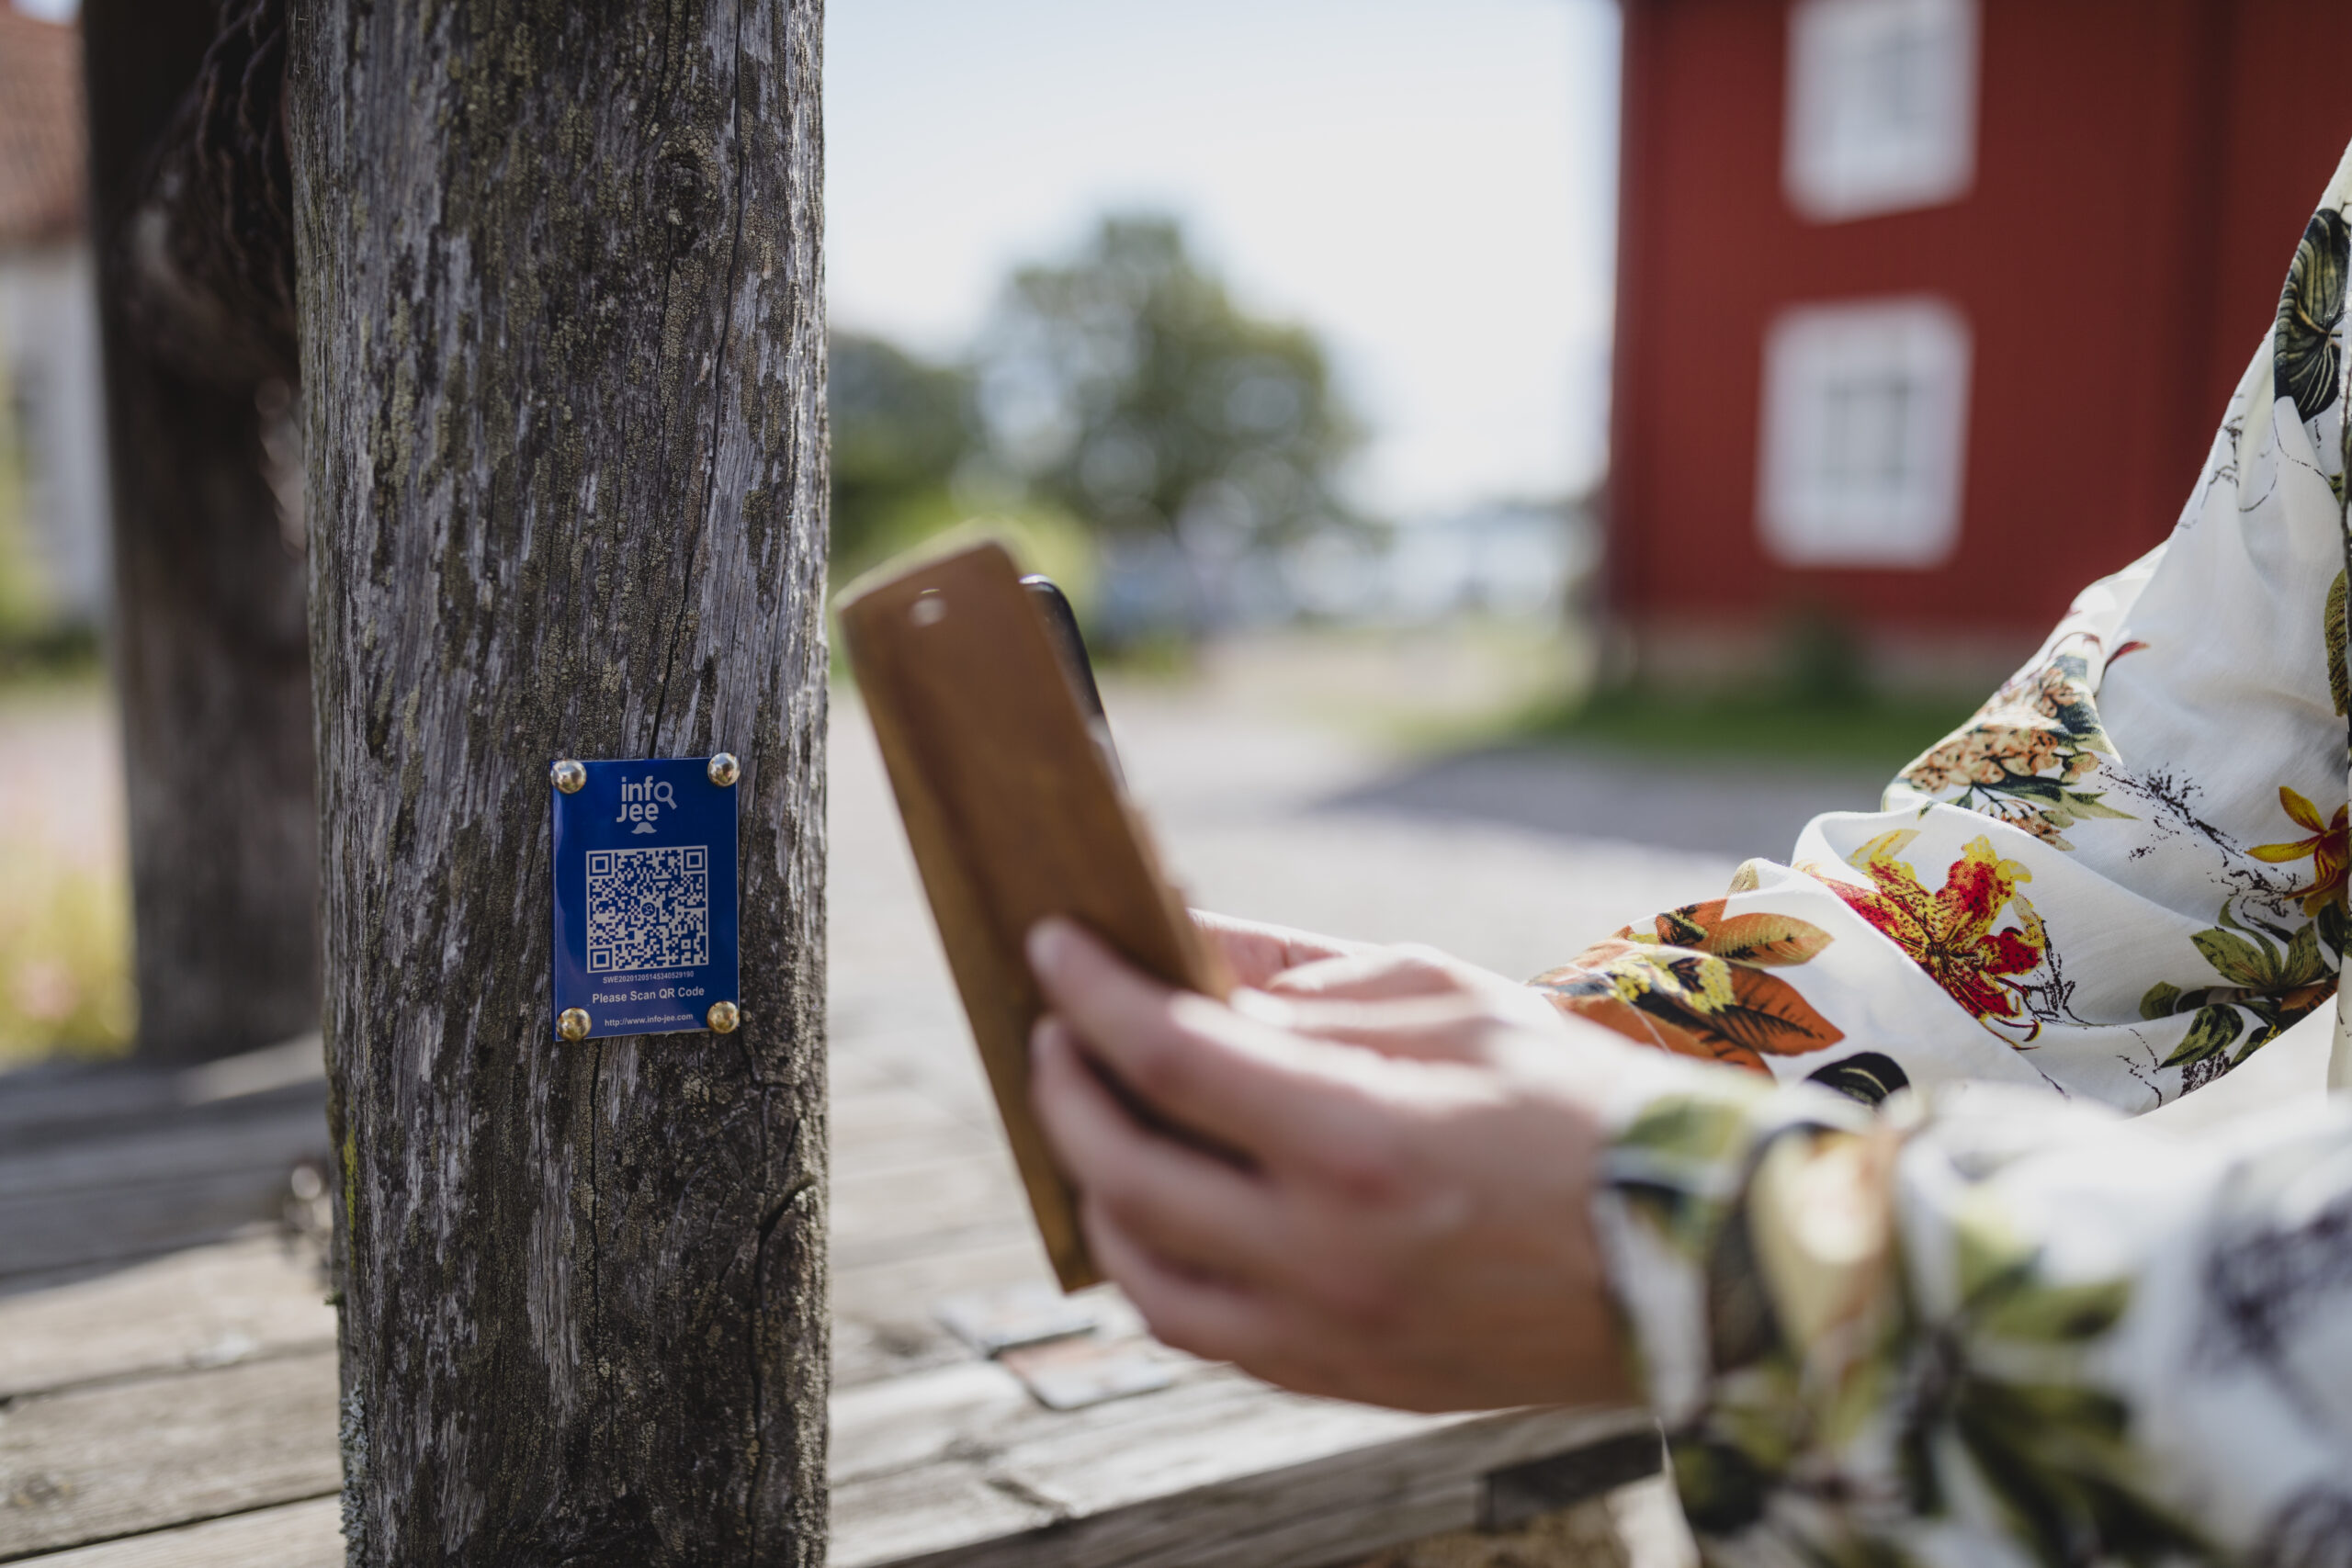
column 1873, row 730
column 65, row 980
column 65, row 986
column 53, row 659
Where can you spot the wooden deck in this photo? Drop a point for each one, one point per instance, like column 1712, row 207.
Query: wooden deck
column 167, row 1372
column 167, row 1380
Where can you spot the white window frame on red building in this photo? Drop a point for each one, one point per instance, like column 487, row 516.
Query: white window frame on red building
column 1865, row 434
column 1881, row 105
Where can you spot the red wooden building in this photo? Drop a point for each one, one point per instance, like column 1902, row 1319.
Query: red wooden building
column 1928, row 308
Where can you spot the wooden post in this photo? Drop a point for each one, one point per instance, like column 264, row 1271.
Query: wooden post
column 208, row 636
column 561, row 314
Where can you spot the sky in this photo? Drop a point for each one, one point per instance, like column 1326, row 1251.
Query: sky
column 1429, row 183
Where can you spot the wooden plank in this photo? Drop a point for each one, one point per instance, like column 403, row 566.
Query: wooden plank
column 908, row 1234
column 1256, row 1526
column 269, row 1135
column 1218, row 1430
column 57, row 1099
column 907, row 1287
column 45, row 1233
column 859, row 1251
column 1251, row 1509
column 205, row 1307
column 881, row 1129
column 938, row 1458
column 1219, row 1469
column 883, row 1323
column 93, row 1464
column 941, row 1401
column 911, row 1421
column 863, row 1118
column 897, row 1518
column 866, row 1352
column 881, row 1216
column 294, row 1535
column 852, row 1070
column 939, row 1063
column 59, row 1103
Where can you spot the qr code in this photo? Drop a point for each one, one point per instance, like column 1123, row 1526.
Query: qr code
column 649, row 908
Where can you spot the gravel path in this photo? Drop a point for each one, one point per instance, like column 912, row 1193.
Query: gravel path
column 1513, row 859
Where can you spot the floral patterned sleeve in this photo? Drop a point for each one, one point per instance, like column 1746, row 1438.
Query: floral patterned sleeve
column 2126, row 874
column 2014, row 1331
column 2015, row 1327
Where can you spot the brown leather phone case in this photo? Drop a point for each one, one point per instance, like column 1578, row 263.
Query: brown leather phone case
column 1013, row 815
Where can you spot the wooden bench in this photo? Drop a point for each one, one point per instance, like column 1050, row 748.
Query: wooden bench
column 167, row 1370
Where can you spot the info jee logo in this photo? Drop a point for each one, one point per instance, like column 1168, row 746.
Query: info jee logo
column 642, row 801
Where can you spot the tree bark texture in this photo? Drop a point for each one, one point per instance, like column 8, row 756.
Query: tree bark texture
column 208, row 638
column 562, row 323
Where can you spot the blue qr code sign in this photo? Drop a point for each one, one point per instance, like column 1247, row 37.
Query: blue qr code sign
column 649, row 908
column 646, row 892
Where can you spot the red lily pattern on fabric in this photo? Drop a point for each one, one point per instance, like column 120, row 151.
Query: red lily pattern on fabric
column 1954, row 933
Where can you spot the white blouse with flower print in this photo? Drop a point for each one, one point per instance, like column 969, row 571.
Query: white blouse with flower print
column 2004, row 1320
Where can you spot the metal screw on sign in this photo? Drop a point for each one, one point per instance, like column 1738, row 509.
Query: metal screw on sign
column 567, row 776
column 723, row 1017
column 724, row 770
column 572, row 1024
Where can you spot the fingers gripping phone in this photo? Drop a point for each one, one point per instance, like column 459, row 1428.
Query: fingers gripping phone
column 993, row 733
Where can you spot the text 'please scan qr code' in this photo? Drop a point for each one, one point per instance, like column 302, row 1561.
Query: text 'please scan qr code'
column 649, row 908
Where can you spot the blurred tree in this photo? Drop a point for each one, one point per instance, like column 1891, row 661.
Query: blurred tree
column 189, row 191
column 900, row 426
column 1128, row 386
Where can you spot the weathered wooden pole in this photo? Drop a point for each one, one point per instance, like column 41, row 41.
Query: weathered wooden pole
column 210, row 657
column 562, row 333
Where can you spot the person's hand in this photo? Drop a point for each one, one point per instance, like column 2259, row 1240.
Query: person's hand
column 1255, row 952
column 1381, row 1189
column 1287, row 962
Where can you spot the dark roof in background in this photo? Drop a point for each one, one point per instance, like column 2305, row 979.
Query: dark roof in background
column 41, row 148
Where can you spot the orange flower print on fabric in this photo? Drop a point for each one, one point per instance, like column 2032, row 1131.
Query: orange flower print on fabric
column 1699, row 986
column 1950, row 932
column 2326, row 848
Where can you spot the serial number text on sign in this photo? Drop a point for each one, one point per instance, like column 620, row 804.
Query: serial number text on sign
column 645, row 897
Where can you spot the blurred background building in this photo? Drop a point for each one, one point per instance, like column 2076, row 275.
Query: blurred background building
column 52, row 452
column 1927, row 309
column 1316, row 321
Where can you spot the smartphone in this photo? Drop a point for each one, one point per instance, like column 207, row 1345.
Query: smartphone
column 1069, row 644
column 992, row 730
